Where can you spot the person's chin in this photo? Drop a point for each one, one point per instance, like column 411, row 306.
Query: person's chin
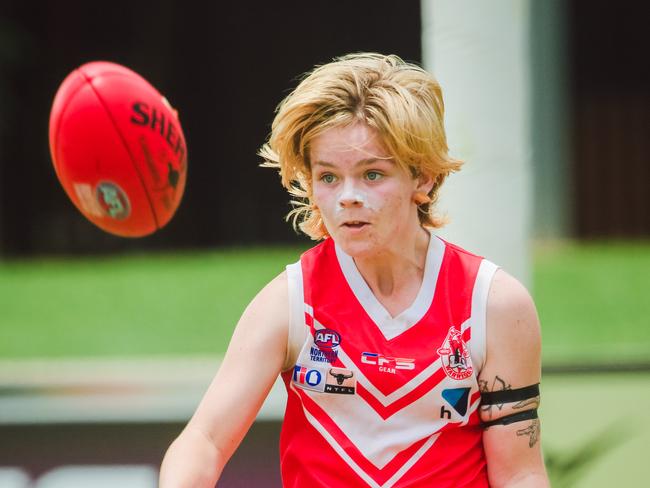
column 355, row 245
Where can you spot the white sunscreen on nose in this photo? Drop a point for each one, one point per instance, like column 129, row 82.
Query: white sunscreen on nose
column 355, row 196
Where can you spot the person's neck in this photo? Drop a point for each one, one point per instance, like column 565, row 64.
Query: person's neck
column 400, row 266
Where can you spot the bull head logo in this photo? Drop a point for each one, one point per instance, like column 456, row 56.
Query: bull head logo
column 340, row 377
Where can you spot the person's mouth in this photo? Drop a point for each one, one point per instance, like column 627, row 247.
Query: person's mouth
column 355, row 224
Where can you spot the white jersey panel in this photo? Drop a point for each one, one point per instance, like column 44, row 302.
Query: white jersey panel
column 298, row 332
column 478, row 319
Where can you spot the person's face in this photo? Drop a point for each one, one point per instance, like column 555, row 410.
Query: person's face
column 365, row 198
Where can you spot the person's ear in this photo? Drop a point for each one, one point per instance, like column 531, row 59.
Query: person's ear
column 424, row 185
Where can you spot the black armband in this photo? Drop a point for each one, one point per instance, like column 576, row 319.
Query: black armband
column 508, row 396
column 511, row 419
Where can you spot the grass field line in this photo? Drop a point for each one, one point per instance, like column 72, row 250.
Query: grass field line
column 153, row 371
column 147, row 388
column 160, row 389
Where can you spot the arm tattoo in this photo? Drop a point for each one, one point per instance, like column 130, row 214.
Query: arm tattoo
column 528, row 402
column 497, row 385
column 483, row 387
column 532, row 431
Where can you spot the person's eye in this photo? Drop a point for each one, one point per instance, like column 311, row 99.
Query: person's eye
column 328, row 178
column 373, row 175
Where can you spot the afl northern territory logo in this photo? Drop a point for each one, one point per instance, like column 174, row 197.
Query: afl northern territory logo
column 455, row 357
column 325, row 348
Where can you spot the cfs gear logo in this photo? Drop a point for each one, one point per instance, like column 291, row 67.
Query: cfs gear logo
column 325, row 348
column 340, row 381
column 455, row 357
column 387, row 364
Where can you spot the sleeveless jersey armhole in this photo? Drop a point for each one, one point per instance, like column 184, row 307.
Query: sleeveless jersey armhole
column 480, row 292
column 297, row 328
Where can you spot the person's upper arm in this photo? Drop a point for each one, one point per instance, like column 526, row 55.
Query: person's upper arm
column 249, row 369
column 513, row 358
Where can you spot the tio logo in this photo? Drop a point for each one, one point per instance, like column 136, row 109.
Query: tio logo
column 304, row 376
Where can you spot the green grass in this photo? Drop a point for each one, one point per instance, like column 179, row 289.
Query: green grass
column 607, row 414
column 592, row 300
column 134, row 305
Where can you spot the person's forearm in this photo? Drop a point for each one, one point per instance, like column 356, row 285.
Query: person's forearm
column 192, row 461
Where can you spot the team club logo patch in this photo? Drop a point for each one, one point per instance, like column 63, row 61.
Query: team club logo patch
column 325, row 348
column 324, row 379
column 458, row 398
column 455, row 357
column 308, row 378
column 341, row 381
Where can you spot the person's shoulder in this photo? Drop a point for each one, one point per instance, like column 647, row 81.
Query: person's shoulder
column 511, row 313
column 275, row 289
column 271, row 304
column 509, row 296
column 512, row 332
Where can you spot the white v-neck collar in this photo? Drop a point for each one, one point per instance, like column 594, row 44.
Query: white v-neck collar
column 391, row 327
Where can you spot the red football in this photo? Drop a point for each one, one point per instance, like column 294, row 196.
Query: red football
column 118, row 149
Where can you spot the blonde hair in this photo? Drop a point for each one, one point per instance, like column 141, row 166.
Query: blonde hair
column 399, row 100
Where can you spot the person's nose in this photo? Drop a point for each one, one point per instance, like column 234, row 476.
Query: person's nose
column 350, row 195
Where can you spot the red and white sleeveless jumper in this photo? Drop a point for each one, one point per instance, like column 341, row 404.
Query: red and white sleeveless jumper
column 382, row 401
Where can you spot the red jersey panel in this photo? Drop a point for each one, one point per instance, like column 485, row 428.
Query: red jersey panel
column 382, row 401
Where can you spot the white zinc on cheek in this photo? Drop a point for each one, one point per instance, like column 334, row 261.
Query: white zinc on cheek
column 369, row 202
